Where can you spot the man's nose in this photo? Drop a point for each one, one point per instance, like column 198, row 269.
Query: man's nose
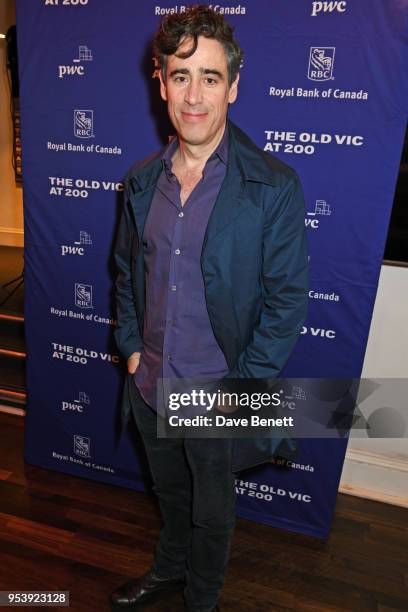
column 193, row 93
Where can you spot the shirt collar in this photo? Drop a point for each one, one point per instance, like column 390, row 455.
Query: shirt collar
column 221, row 152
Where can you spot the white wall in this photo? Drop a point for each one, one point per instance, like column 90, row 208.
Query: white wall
column 11, row 198
column 378, row 468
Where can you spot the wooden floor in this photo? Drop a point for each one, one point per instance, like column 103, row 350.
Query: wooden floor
column 58, row 532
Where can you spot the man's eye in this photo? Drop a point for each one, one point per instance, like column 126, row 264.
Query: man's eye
column 180, row 79
column 210, row 81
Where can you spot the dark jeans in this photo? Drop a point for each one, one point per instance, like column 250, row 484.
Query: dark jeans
column 196, row 491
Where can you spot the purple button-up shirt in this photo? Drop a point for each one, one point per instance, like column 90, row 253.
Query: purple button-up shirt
column 178, row 340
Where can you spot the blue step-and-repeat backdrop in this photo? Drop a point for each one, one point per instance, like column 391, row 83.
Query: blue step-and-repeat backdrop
column 322, row 87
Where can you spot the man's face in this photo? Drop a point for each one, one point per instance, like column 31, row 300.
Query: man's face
column 197, row 91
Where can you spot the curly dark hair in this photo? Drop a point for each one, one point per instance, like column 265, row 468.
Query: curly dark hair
column 199, row 20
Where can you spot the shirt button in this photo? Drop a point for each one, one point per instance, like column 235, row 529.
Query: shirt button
column 177, row 251
column 173, row 287
column 181, row 214
column 169, row 357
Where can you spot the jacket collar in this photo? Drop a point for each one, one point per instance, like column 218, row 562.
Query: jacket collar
column 246, row 162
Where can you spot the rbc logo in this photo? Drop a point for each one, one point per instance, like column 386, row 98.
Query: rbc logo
column 83, row 295
column 82, row 446
column 83, row 123
column 321, row 60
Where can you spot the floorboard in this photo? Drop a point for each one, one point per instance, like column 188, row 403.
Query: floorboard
column 58, row 532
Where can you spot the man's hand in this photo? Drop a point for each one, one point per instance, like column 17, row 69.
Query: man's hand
column 133, row 362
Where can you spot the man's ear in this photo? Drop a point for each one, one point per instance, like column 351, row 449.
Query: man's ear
column 163, row 88
column 233, row 90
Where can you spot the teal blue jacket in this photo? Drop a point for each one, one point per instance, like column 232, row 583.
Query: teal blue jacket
column 254, row 264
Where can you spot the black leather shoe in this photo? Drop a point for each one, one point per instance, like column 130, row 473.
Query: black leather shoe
column 143, row 589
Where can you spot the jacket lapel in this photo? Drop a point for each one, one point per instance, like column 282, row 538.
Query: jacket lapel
column 230, row 201
column 141, row 190
column 243, row 166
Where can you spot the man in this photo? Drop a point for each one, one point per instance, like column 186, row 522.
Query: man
column 212, row 282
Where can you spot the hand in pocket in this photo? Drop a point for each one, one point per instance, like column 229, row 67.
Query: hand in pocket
column 133, row 362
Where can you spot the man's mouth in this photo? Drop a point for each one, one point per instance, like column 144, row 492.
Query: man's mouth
column 193, row 117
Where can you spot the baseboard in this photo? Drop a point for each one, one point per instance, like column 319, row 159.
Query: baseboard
column 379, row 496
column 11, row 236
column 376, row 476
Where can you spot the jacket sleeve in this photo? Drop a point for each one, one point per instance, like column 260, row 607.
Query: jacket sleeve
column 284, row 284
column 127, row 333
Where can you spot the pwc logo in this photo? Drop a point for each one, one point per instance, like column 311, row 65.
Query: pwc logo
column 328, row 7
column 322, row 208
column 78, row 247
column 78, row 405
column 77, row 67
